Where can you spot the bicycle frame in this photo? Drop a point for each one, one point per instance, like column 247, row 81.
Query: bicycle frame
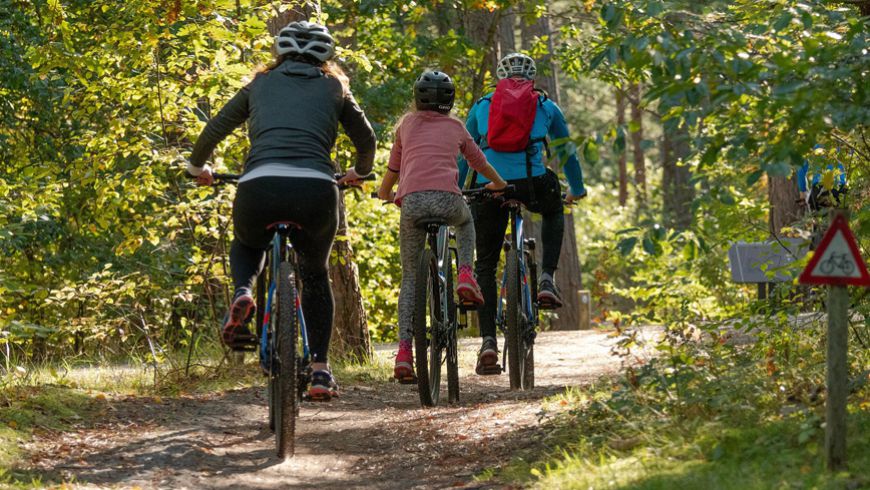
column 441, row 247
column 281, row 250
column 518, row 240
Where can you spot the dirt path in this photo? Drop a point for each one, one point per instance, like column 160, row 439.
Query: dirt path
column 373, row 436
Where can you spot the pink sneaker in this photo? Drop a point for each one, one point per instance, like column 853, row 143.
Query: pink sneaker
column 404, row 369
column 467, row 288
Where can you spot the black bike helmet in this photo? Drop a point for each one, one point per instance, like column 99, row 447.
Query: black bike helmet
column 434, row 91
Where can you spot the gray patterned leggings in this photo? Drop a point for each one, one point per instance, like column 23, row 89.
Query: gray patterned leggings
column 428, row 204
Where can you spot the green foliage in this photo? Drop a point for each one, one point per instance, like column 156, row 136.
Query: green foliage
column 105, row 247
column 730, row 421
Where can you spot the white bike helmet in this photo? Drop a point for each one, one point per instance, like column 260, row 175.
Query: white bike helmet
column 516, row 64
column 305, row 38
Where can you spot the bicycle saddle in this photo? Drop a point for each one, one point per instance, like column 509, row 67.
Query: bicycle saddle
column 428, row 221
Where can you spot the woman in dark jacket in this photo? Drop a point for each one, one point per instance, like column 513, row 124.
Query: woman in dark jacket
column 293, row 109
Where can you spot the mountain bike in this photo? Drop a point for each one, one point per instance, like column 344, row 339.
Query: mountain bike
column 437, row 314
column 517, row 308
column 281, row 335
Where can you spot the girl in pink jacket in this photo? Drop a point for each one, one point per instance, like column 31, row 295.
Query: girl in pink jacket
column 423, row 161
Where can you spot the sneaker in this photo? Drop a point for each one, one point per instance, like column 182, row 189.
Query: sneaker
column 404, row 369
column 487, row 359
column 235, row 332
column 467, row 287
column 323, row 386
column 548, row 295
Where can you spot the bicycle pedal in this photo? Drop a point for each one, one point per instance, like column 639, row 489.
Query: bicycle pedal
column 547, row 305
column 244, row 343
column 490, row 370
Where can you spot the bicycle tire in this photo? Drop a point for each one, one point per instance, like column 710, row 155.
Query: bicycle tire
column 528, row 367
column 452, row 349
column 847, row 266
column 513, row 333
column 271, row 392
column 426, row 343
column 826, row 267
column 287, row 398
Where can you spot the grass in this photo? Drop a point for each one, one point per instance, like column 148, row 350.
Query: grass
column 733, row 433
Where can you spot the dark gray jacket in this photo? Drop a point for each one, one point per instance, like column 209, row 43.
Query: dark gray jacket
column 294, row 111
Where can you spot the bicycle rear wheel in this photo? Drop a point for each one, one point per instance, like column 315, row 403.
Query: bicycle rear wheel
column 450, row 332
column 513, row 320
column 427, row 344
column 284, row 396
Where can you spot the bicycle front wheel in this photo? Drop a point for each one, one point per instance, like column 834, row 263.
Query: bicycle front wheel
column 528, row 366
column 514, row 331
column 285, row 400
column 427, row 342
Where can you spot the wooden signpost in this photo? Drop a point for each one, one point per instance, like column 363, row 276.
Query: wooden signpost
column 837, row 263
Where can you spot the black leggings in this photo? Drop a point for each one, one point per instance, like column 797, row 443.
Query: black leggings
column 313, row 205
column 490, row 222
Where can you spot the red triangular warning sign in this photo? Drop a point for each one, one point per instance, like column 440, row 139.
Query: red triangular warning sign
column 837, row 260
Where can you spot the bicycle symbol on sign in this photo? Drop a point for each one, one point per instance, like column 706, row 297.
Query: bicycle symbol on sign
column 842, row 262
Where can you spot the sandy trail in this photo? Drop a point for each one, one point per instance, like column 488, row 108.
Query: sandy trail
column 374, row 436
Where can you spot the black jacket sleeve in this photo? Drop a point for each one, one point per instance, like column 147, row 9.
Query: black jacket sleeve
column 360, row 131
column 231, row 116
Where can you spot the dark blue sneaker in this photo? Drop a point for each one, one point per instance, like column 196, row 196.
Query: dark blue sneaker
column 548, row 295
column 323, row 386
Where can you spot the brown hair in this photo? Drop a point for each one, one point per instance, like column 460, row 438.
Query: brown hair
column 330, row 68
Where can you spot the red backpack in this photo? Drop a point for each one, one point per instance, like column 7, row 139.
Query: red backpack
column 512, row 112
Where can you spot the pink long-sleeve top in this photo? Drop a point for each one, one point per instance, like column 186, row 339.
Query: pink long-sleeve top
column 424, row 153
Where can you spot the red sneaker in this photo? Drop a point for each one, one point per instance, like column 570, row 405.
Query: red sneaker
column 467, row 287
column 235, row 331
column 404, row 369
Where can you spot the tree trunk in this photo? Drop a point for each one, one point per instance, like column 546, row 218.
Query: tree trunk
column 546, row 78
column 623, row 168
column 636, row 140
column 568, row 278
column 350, row 332
column 677, row 190
column 507, row 42
column 785, row 207
column 481, row 26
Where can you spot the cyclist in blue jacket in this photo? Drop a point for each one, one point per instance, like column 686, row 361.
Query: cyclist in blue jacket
column 537, row 187
column 814, row 192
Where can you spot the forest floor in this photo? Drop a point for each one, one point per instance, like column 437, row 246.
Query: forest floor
column 375, row 435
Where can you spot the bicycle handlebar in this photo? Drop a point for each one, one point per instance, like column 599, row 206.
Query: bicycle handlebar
column 224, row 178
column 482, row 193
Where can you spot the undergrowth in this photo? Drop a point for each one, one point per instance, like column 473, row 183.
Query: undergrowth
column 738, row 415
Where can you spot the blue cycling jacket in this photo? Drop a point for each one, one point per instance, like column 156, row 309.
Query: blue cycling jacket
column 817, row 177
column 549, row 121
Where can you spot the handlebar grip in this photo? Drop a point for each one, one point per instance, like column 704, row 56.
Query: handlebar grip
column 368, row 178
column 221, row 177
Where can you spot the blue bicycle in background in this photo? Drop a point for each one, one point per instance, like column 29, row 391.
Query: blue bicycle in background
column 517, row 310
